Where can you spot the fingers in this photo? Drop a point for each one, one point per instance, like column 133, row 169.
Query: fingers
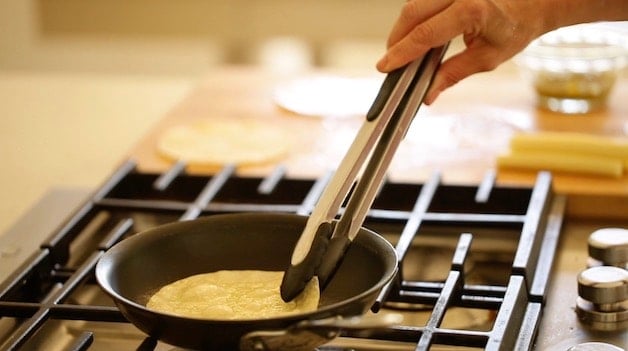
column 459, row 67
column 412, row 14
column 493, row 31
column 435, row 31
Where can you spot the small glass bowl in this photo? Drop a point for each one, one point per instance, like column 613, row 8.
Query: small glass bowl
column 574, row 69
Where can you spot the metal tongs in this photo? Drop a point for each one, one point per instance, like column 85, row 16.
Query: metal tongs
column 324, row 241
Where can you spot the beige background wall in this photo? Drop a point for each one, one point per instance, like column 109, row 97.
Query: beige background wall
column 182, row 37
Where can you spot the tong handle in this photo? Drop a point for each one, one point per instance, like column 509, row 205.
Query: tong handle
column 313, row 242
column 308, row 257
column 385, row 92
column 367, row 187
column 328, row 206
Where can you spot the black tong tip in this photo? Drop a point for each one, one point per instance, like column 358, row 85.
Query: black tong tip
column 297, row 276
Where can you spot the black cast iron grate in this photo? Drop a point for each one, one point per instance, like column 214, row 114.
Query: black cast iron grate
column 42, row 289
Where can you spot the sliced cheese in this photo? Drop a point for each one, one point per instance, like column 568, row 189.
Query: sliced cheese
column 562, row 162
column 573, row 143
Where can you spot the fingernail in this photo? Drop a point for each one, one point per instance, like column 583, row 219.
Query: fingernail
column 382, row 64
column 431, row 96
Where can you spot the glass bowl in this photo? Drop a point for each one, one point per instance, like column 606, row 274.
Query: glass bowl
column 573, row 69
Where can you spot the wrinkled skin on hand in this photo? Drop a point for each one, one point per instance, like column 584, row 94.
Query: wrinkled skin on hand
column 493, row 31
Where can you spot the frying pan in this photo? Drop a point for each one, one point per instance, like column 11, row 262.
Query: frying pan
column 135, row 268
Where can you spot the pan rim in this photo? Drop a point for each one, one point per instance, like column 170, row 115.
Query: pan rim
column 323, row 312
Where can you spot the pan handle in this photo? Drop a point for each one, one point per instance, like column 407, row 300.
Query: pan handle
column 307, row 335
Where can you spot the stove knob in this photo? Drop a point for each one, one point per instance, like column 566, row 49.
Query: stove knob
column 603, row 285
column 603, row 298
column 595, row 346
column 609, row 246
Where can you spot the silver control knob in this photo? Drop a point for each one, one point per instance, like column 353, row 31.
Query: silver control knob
column 603, row 285
column 609, row 246
column 603, row 298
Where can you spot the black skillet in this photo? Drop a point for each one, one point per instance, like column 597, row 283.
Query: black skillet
column 138, row 266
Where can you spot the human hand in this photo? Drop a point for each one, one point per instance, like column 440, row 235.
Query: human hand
column 493, row 31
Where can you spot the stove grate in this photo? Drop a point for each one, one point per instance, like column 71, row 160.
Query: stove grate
column 47, row 286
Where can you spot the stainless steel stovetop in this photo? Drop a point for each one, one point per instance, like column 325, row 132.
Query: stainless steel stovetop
column 484, row 267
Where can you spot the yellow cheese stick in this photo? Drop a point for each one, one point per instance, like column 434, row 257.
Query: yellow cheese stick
column 578, row 143
column 562, row 162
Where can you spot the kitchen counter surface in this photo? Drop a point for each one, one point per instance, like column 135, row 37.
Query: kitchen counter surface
column 459, row 136
column 70, row 129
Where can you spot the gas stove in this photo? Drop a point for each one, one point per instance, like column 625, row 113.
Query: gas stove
column 482, row 267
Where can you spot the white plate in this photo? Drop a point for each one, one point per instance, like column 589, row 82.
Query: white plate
column 328, row 96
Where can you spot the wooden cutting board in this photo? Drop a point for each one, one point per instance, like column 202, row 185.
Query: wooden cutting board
column 459, row 136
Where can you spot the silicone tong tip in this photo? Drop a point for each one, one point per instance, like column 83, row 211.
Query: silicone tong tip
column 297, row 276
